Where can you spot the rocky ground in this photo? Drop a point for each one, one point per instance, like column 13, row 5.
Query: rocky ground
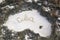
column 49, row 9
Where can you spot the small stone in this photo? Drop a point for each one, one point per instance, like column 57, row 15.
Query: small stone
column 58, row 18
